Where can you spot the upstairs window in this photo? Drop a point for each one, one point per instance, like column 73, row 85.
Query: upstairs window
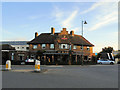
column 81, row 47
column 88, row 48
column 52, row 46
column 34, row 46
column 27, row 48
column 43, row 46
column 74, row 47
column 64, row 46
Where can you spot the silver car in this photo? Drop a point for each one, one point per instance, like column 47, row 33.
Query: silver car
column 106, row 61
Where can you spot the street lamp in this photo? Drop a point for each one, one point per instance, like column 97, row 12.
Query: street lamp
column 70, row 54
column 83, row 22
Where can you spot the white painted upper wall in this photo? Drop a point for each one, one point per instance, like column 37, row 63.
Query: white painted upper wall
column 21, row 47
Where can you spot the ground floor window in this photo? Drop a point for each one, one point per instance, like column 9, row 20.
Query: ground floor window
column 85, row 57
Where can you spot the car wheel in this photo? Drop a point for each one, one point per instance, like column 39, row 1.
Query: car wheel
column 111, row 63
column 100, row 63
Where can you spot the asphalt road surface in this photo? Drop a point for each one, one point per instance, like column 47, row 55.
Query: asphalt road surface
column 75, row 76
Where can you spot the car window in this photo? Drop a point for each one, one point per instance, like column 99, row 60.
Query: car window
column 105, row 60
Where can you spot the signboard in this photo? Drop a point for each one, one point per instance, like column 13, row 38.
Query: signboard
column 64, row 38
column 21, row 55
column 95, row 53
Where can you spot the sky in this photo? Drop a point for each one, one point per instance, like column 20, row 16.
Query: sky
column 20, row 20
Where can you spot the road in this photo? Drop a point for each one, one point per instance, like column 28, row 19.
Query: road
column 75, row 76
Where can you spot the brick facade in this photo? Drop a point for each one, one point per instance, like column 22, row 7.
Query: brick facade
column 58, row 39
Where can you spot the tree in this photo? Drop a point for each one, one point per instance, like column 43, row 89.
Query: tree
column 107, row 50
column 98, row 55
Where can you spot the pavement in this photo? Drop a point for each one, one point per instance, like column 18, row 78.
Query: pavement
column 61, row 76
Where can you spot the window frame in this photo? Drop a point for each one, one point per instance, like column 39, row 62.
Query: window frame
column 52, row 47
column 74, row 46
column 88, row 48
column 82, row 47
column 42, row 46
column 66, row 46
column 34, row 46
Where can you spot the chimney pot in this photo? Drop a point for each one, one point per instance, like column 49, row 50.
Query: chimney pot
column 52, row 30
column 64, row 29
column 36, row 34
column 72, row 33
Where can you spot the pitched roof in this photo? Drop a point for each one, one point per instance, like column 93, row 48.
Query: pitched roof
column 43, row 38
column 7, row 47
column 14, row 42
column 47, row 38
column 78, row 39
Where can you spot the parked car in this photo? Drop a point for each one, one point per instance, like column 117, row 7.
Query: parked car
column 30, row 61
column 105, row 61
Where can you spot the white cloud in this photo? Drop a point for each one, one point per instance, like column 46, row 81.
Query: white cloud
column 106, row 14
column 57, row 13
column 109, row 15
column 103, row 23
column 94, row 6
column 65, row 18
column 68, row 22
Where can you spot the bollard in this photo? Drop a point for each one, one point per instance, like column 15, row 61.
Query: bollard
column 37, row 65
column 8, row 65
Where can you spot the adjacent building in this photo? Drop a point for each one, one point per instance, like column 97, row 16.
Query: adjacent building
column 116, row 55
column 14, row 50
column 60, row 47
column 18, row 45
column 116, row 52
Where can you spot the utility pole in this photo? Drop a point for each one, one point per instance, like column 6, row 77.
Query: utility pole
column 83, row 22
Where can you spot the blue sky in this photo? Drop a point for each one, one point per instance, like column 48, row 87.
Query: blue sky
column 21, row 20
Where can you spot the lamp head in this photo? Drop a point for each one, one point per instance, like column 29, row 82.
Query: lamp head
column 85, row 22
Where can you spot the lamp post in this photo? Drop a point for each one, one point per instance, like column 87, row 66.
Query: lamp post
column 83, row 22
column 70, row 54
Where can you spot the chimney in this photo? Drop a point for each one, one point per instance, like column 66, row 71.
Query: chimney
column 72, row 33
column 64, row 29
column 52, row 31
column 36, row 34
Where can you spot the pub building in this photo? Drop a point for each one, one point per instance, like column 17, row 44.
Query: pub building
column 60, row 48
